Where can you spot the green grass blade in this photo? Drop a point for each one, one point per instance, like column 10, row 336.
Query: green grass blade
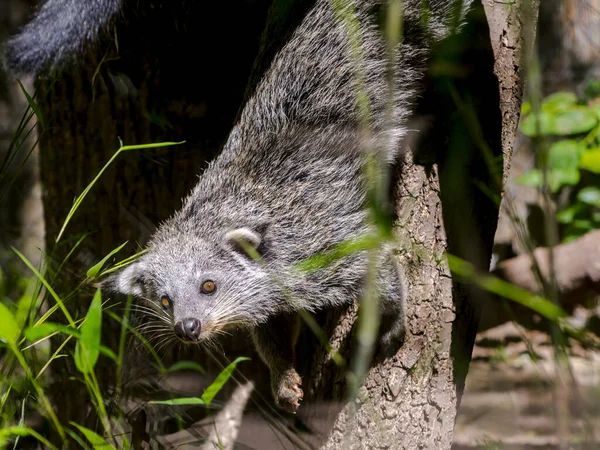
column 146, row 146
column 97, row 441
column 220, row 381
column 32, row 105
column 185, row 365
column 46, row 329
column 87, row 349
column 180, row 401
column 93, row 271
column 82, row 196
column 59, row 302
column 9, row 328
column 7, row 433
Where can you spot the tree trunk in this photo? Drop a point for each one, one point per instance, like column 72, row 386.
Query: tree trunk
column 154, row 93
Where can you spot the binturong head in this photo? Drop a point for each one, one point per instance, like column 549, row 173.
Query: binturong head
column 195, row 289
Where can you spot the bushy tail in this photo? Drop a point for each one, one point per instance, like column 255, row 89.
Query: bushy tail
column 60, row 30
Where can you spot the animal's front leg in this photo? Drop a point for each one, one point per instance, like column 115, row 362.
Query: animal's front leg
column 275, row 342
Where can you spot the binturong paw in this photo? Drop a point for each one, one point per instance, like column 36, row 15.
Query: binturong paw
column 286, row 389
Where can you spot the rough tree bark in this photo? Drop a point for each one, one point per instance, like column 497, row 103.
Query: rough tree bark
column 153, row 92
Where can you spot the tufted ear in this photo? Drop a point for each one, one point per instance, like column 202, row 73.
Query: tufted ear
column 243, row 240
column 126, row 281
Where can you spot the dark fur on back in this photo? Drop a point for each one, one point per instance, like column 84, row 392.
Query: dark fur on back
column 60, row 31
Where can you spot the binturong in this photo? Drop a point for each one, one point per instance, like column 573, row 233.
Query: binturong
column 289, row 183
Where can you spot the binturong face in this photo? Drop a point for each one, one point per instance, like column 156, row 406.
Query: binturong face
column 195, row 290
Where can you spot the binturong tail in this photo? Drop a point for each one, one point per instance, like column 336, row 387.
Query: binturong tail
column 60, row 30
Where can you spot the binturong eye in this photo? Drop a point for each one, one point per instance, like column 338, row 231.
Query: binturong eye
column 165, row 302
column 208, row 287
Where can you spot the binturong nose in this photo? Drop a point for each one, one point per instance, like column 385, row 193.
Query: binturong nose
column 188, row 329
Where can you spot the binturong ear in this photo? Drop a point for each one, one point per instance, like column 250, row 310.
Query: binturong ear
column 126, row 281
column 244, row 240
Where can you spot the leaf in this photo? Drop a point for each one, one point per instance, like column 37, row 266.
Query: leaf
column 590, row 160
column 9, row 432
column 93, row 271
column 589, row 195
column 180, row 401
column 88, row 346
column 560, row 99
column 9, row 328
column 575, row 120
column 529, row 125
column 564, row 154
column 45, row 329
column 568, row 214
column 185, row 365
column 531, row 178
column 97, row 441
column 578, row 119
column 525, row 108
column 32, row 105
column 217, row 385
column 23, row 307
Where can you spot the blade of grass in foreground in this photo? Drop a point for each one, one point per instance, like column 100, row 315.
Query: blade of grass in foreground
column 123, row 148
column 505, row 289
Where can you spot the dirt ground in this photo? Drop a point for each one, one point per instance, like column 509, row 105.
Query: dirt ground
column 516, row 398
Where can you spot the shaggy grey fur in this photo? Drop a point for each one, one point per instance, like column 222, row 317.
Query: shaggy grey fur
column 288, row 184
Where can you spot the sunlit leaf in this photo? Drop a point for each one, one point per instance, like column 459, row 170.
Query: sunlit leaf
column 589, row 195
column 45, row 329
column 590, row 160
column 505, row 289
column 575, row 120
column 564, row 154
column 221, row 379
column 568, row 214
column 88, row 346
column 560, row 99
column 93, row 271
column 97, row 441
column 185, row 365
column 9, row 328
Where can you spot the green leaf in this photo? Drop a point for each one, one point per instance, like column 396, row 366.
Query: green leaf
column 531, row 178
column 589, row 195
column 578, row 119
column 9, row 328
column 93, row 271
column 24, row 305
column 568, row 214
column 45, row 329
column 180, row 401
column 575, row 120
column 221, row 379
column 560, row 99
column 88, row 346
column 564, row 154
column 9, row 432
column 560, row 177
column 97, row 441
column 525, row 108
column 590, row 160
column 185, row 365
